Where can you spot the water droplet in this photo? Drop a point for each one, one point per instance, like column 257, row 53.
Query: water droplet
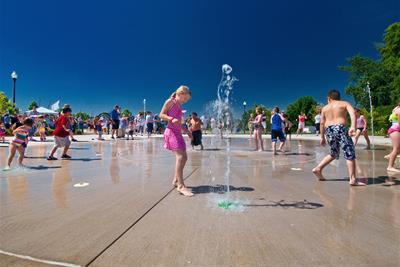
column 81, row 184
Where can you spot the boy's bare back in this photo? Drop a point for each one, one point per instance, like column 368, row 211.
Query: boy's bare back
column 335, row 113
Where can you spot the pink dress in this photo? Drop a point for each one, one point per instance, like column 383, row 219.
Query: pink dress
column 173, row 139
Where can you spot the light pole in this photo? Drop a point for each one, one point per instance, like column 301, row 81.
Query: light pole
column 144, row 107
column 14, row 77
column 244, row 121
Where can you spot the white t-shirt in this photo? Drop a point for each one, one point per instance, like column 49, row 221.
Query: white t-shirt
column 317, row 118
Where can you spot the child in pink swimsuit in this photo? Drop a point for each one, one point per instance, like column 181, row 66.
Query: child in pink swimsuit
column 173, row 139
column 361, row 129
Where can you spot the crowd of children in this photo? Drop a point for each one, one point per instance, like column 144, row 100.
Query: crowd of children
column 330, row 122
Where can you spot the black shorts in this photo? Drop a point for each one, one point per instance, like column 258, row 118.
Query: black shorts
column 288, row 130
column 115, row 125
column 197, row 138
column 318, row 126
column 275, row 134
column 149, row 127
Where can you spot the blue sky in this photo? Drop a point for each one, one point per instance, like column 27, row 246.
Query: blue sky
column 94, row 54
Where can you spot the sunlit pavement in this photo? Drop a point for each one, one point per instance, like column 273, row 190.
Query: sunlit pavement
column 113, row 205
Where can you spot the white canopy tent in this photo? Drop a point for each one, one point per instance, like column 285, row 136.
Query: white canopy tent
column 43, row 111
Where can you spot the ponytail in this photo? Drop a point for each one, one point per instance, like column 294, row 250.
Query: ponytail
column 183, row 89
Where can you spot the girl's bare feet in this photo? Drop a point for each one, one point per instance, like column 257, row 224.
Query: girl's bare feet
column 317, row 172
column 185, row 191
column 354, row 182
column 387, row 156
column 175, row 182
column 392, row 169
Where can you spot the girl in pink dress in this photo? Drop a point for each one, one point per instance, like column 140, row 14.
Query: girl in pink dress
column 173, row 139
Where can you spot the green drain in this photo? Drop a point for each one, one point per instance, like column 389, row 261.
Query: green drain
column 227, row 205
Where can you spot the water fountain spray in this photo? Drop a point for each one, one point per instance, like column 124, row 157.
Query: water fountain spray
column 368, row 90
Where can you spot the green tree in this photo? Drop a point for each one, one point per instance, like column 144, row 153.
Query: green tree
column 383, row 74
column 390, row 56
column 306, row 104
column 5, row 104
column 126, row 113
column 33, row 104
column 83, row 115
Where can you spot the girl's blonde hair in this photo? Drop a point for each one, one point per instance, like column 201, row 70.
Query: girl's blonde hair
column 183, row 89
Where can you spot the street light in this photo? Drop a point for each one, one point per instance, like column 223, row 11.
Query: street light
column 144, row 107
column 14, row 77
column 244, row 112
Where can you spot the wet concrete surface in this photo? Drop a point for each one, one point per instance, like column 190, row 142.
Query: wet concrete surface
column 129, row 214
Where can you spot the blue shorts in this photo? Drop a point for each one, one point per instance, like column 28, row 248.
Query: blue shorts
column 338, row 138
column 275, row 134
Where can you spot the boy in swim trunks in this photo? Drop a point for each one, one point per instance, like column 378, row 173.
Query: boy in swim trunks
column 277, row 120
column 195, row 127
column 61, row 135
column 334, row 131
column 19, row 142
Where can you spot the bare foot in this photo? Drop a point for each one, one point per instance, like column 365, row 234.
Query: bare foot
column 7, row 168
column 354, row 182
column 387, row 156
column 392, row 169
column 317, row 172
column 185, row 191
column 175, row 182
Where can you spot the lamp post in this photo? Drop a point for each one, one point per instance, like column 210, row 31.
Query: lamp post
column 14, row 77
column 144, row 107
column 244, row 121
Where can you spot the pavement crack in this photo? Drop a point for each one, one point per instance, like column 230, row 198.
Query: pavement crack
column 138, row 220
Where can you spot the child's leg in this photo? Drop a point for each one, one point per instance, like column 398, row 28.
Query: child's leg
column 367, row 139
column 395, row 151
column 11, row 154
column 351, row 167
column 358, row 133
column 260, row 140
column 66, row 147
column 256, row 138
column 324, row 162
column 181, row 158
column 21, row 151
column 274, row 147
column 53, row 151
column 281, row 145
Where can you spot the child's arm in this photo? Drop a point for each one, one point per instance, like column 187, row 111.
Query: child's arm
column 163, row 113
column 322, row 128
column 353, row 118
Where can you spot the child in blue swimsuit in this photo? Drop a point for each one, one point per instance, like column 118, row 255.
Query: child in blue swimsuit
column 276, row 130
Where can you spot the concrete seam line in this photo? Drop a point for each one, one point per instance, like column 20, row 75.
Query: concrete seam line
column 50, row 262
column 135, row 222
